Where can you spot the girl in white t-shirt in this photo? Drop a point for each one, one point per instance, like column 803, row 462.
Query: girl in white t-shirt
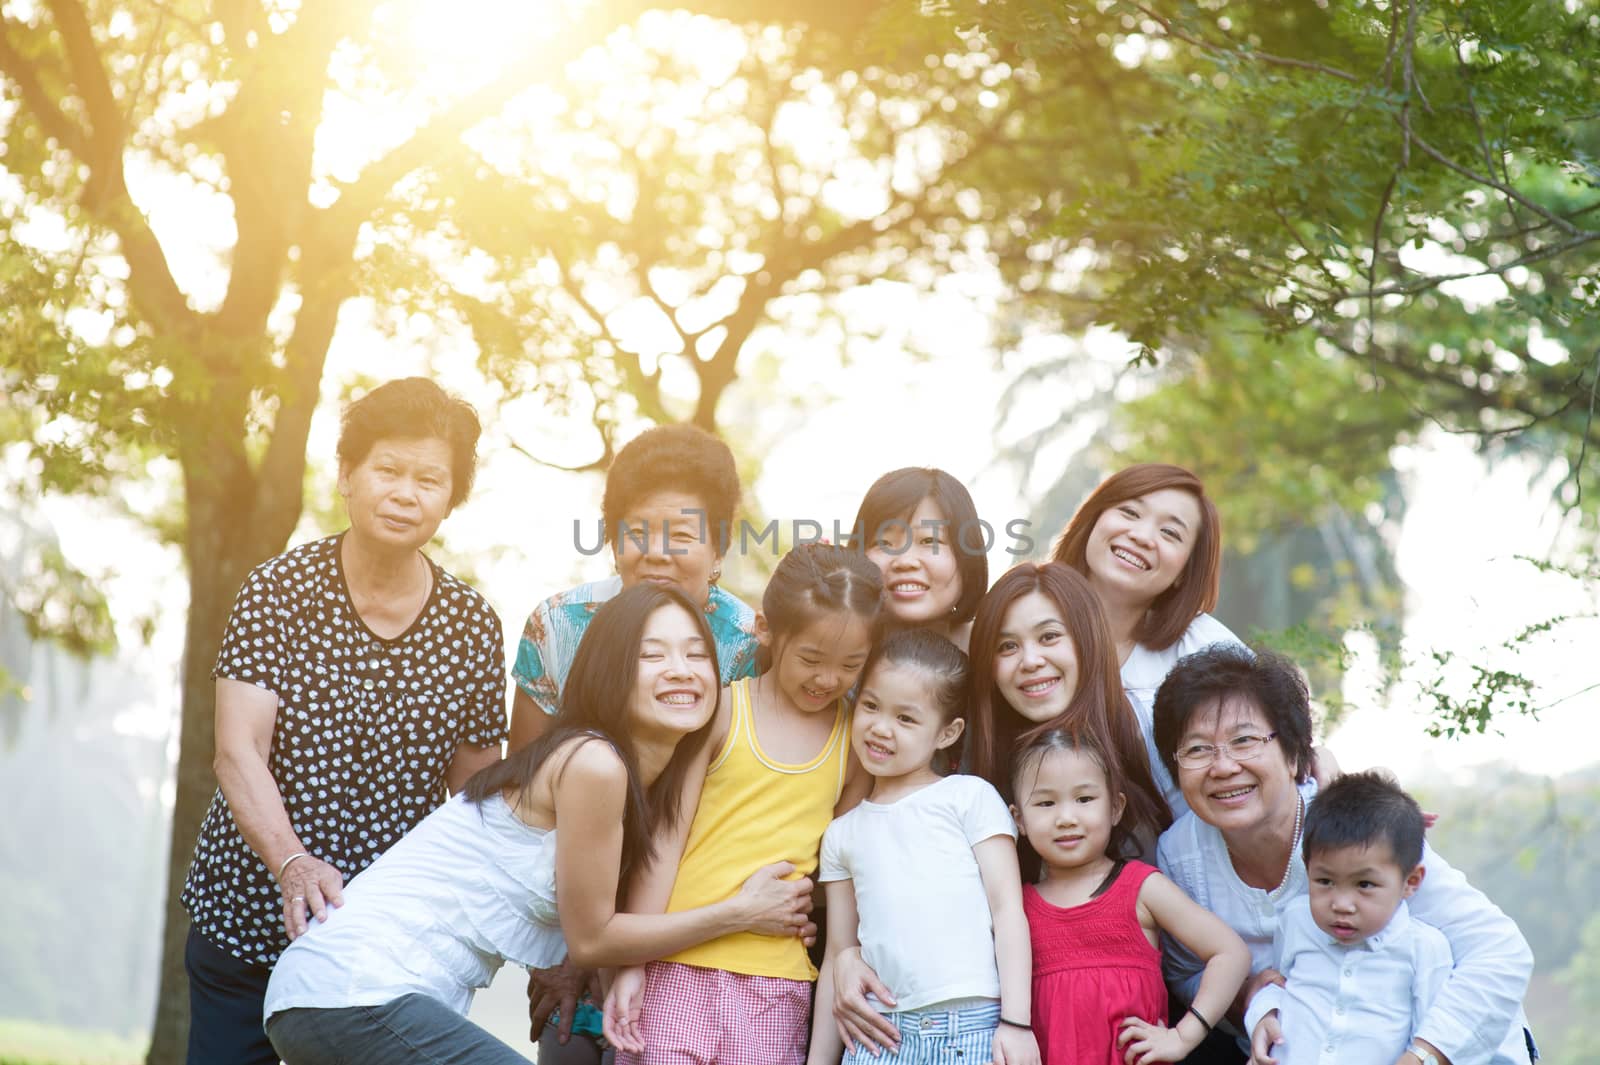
column 922, row 877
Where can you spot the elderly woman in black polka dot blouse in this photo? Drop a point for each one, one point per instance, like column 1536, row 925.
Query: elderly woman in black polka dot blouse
column 356, row 682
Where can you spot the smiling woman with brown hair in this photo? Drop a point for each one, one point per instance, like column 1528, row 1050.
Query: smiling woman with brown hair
column 1149, row 541
column 356, row 683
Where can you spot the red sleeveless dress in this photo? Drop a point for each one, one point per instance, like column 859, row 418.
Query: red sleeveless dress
column 1092, row 967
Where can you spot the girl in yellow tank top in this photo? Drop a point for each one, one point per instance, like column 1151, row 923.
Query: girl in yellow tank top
column 779, row 770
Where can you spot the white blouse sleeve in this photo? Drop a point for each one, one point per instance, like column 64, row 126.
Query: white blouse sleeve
column 1493, row 963
column 1178, row 856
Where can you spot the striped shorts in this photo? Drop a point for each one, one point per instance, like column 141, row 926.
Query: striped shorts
column 697, row 1016
column 962, row 1036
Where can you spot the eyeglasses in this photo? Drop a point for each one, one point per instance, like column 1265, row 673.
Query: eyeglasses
column 1240, row 749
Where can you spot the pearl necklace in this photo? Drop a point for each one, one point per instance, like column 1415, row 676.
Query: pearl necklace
column 1294, row 845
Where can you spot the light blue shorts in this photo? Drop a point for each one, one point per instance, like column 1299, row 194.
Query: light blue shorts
column 938, row 1037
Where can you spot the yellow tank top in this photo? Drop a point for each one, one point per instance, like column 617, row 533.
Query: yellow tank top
column 754, row 811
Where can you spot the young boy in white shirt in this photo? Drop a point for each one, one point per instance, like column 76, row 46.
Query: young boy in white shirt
column 1359, row 971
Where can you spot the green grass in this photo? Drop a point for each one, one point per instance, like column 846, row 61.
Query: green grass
column 30, row 1043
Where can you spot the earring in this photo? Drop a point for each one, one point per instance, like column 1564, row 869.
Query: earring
column 716, row 573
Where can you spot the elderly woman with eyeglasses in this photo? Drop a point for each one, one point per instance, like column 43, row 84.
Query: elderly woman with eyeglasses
column 1234, row 730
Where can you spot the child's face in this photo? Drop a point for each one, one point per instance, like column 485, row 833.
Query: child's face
column 1035, row 662
column 921, row 578
column 1355, row 890
column 1067, row 811
column 897, row 726
column 816, row 666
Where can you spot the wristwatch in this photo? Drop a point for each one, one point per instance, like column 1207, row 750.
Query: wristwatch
column 1423, row 1054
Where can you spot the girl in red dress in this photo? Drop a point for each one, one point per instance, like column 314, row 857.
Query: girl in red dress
column 1094, row 920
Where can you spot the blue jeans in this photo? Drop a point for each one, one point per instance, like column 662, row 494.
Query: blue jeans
column 937, row 1037
column 225, row 996
column 412, row 1028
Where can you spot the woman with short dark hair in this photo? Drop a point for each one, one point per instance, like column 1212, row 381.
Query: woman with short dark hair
column 1234, row 729
column 357, row 682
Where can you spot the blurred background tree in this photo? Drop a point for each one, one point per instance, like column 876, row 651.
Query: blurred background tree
column 1322, row 229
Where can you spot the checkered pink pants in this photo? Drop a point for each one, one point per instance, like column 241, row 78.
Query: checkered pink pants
column 695, row 1016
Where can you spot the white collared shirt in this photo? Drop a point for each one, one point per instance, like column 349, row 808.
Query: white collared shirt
column 1477, row 1018
column 1351, row 1003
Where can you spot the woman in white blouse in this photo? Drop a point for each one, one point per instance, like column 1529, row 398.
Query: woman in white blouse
column 1150, row 543
column 1234, row 729
column 388, row 978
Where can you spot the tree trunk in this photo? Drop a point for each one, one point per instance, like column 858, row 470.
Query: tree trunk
column 216, row 570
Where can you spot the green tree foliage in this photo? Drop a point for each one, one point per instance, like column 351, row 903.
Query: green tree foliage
column 1385, row 210
column 534, row 202
column 1340, row 170
column 1225, row 176
column 1331, row 229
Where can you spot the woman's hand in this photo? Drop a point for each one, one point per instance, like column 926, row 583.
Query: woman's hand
column 1268, row 1034
column 1241, row 1001
column 549, row 990
column 772, row 906
column 1015, row 1046
column 309, row 887
column 624, row 1003
column 860, row 1024
column 1143, row 1042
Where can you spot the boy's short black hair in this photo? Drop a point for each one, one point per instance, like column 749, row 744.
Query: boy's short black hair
column 1361, row 809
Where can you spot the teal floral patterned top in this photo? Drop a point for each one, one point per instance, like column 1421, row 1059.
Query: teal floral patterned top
column 550, row 638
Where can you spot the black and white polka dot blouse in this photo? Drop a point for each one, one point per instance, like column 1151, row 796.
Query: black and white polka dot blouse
column 366, row 728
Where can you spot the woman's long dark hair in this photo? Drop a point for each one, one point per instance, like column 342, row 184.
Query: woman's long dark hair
column 597, row 701
column 1098, row 705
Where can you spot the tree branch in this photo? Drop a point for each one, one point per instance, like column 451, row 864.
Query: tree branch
column 1246, row 53
column 35, row 98
column 325, row 283
column 1505, row 190
column 645, row 387
column 107, row 132
column 595, row 466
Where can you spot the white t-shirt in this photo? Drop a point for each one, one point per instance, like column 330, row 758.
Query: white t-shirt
column 470, row 887
column 1143, row 673
column 925, row 926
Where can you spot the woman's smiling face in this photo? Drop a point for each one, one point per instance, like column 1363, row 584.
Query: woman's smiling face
column 1233, row 795
column 1035, row 661
column 1138, row 548
column 921, row 573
